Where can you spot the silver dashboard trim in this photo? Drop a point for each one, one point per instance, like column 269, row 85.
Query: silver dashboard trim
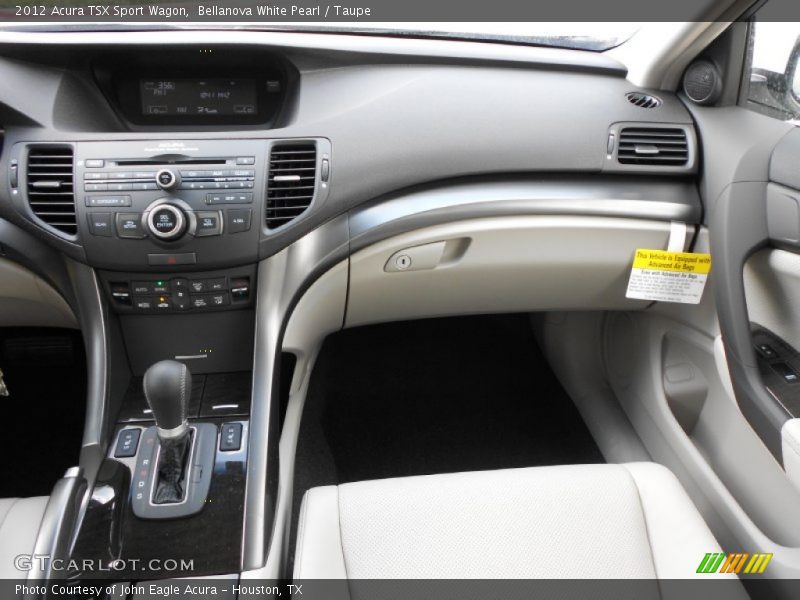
column 407, row 47
column 282, row 280
column 667, row 201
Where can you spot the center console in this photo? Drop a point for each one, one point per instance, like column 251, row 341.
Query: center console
column 171, row 230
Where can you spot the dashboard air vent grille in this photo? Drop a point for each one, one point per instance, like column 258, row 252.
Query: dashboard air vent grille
column 50, row 186
column 653, row 146
column 643, row 100
column 292, row 181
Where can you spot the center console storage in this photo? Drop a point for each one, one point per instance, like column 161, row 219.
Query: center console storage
column 126, row 529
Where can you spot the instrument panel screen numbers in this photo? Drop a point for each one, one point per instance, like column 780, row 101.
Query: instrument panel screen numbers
column 198, row 97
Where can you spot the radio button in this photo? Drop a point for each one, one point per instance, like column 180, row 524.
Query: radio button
column 129, row 225
column 239, row 219
column 230, row 198
column 208, row 223
column 166, row 221
column 120, row 187
column 94, row 175
column 107, row 201
column 144, row 186
column 100, row 224
column 144, row 175
column 95, row 187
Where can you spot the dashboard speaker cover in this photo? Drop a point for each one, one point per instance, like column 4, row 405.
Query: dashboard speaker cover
column 702, row 82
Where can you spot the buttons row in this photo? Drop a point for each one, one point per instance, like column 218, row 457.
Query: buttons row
column 181, row 293
column 228, row 184
column 218, row 173
column 179, row 302
column 136, row 186
column 129, row 225
column 143, row 288
column 230, row 198
column 106, row 175
column 142, row 186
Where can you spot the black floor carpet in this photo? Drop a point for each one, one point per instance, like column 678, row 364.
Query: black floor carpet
column 43, row 416
column 435, row 396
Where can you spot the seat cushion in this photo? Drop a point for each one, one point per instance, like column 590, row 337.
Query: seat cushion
column 577, row 521
column 19, row 525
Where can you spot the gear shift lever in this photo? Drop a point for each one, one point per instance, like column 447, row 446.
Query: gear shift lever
column 167, row 388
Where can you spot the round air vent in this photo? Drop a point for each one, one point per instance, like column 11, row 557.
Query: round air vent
column 643, row 100
column 702, row 82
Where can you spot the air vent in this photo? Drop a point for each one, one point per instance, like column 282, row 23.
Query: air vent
column 643, row 100
column 653, row 146
column 292, row 180
column 50, row 190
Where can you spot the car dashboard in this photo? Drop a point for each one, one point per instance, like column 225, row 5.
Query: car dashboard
column 186, row 191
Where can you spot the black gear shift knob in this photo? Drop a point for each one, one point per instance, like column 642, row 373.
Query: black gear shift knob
column 167, row 388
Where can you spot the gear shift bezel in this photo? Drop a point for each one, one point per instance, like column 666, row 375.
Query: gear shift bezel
column 199, row 470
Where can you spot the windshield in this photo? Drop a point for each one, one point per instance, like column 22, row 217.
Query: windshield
column 582, row 36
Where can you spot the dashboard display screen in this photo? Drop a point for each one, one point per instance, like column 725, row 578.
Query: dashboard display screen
column 198, row 97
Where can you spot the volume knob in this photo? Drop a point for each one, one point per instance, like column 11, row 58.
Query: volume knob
column 167, row 179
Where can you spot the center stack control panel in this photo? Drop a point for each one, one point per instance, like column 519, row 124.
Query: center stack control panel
column 181, row 291
column 189, row 204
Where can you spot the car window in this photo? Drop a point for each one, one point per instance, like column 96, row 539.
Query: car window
column 773, row 78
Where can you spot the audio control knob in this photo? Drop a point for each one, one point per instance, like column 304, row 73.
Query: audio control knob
column 167, row 179
column 167, row 222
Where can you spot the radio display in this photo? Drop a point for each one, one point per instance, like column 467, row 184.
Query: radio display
column 198, row 97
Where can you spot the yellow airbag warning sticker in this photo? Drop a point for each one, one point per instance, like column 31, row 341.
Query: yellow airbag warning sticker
column 668, row 276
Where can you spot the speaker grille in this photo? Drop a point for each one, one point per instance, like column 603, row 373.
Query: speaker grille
column 702, row 83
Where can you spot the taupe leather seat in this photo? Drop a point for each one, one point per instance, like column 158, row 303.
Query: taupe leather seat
column 20, row 519
column 578, row 521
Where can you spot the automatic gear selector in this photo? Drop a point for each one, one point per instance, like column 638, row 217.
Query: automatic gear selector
column 167, row 388
column 174, row 469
